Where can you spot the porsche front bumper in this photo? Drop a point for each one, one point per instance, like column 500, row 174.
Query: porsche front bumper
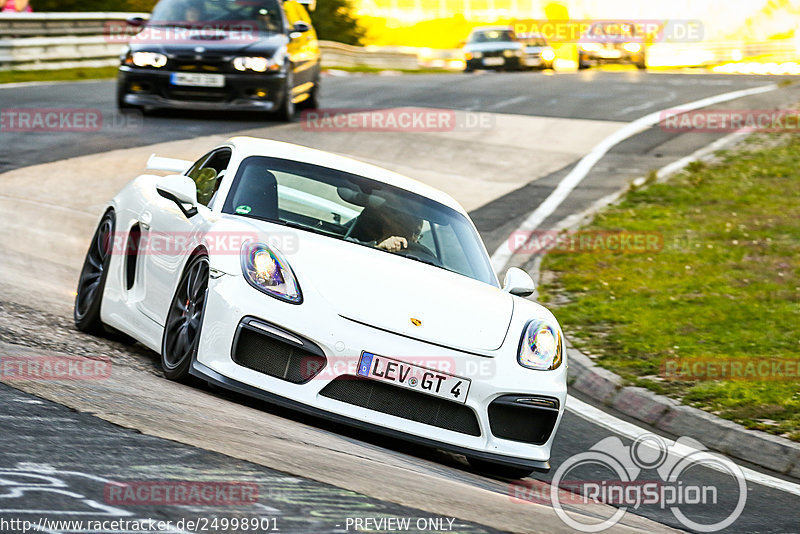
column 504, row 399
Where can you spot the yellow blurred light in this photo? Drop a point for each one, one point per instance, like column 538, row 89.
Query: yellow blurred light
column 633, row 48
column 264, row 264
column 548, row 54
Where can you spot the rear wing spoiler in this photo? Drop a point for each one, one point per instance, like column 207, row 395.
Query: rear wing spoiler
column 177, row 166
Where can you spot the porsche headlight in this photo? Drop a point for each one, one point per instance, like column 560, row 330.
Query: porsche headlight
column 147, row 59
column 268, row 271
column 258, row 63
column 541, row 346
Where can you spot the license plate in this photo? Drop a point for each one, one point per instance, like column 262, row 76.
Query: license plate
column 197, row 80
column 414, row 377
column 493, row 61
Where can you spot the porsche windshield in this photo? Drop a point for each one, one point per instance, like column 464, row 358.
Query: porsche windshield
column 356, row 209
column 266, row 15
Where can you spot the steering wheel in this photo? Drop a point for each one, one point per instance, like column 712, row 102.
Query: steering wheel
column 421, row 252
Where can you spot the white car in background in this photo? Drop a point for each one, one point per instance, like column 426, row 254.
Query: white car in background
column 284, row 273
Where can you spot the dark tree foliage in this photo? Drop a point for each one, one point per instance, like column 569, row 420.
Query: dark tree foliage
column 138, row 6
column 334, row 20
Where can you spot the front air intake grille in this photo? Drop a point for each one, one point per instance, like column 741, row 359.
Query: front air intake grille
column 271, row 351
column 400, row 402
column 523, row 418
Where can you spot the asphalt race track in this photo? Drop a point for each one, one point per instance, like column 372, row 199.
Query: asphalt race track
column 311, row 475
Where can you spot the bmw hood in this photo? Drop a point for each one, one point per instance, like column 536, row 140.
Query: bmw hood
column 197, row 41
column 493, row 47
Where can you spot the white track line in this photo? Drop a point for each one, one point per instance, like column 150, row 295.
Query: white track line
column 504, row 252
column 17, row 85
column 629, row 430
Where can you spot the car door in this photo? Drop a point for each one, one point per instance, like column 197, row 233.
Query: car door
column 303, row 47
column 171, row 233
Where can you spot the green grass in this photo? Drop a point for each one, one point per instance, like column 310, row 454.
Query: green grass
column 62, row 75
column 726, row 284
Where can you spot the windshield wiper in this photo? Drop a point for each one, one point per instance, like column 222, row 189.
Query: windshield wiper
column 417, row 258
column 299, row 226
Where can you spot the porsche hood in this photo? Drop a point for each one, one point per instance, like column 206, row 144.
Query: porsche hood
column 397, row 294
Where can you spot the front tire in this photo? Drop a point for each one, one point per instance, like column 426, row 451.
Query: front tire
column 184, row 320
column 92, row 282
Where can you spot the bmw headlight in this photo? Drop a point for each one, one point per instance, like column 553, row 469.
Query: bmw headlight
column 258, row 63
column 633, row 48
column 541, row 346
column 147, row 59
column 268, row 271
column 474, row 55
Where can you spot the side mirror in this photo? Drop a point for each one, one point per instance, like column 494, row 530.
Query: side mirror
column 181, row 190
column 136, row 22
column 299, row 28
column 519, row 283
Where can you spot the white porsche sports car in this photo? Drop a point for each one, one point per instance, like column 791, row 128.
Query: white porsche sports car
column 333, row 287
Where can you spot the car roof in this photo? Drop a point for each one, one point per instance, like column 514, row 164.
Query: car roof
column 252, row 146
column 492, row 28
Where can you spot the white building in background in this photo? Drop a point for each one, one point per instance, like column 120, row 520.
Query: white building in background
column 719, row 16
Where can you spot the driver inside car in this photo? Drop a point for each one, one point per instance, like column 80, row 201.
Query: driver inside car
column 390, row 229
column 399, row 229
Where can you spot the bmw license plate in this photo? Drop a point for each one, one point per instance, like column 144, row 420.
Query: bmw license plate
column 493, row 61
column 192, row 79
column 414, row 377
column 610, row 54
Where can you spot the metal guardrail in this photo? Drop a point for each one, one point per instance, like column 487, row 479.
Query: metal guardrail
column 16, row 25
column 39, row 41
column 43, row 41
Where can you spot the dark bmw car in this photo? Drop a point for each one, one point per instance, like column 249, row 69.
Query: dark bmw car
column 244, row 55
column 494, row 47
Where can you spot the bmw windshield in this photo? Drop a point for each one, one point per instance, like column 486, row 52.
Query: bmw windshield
column 265, row 15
